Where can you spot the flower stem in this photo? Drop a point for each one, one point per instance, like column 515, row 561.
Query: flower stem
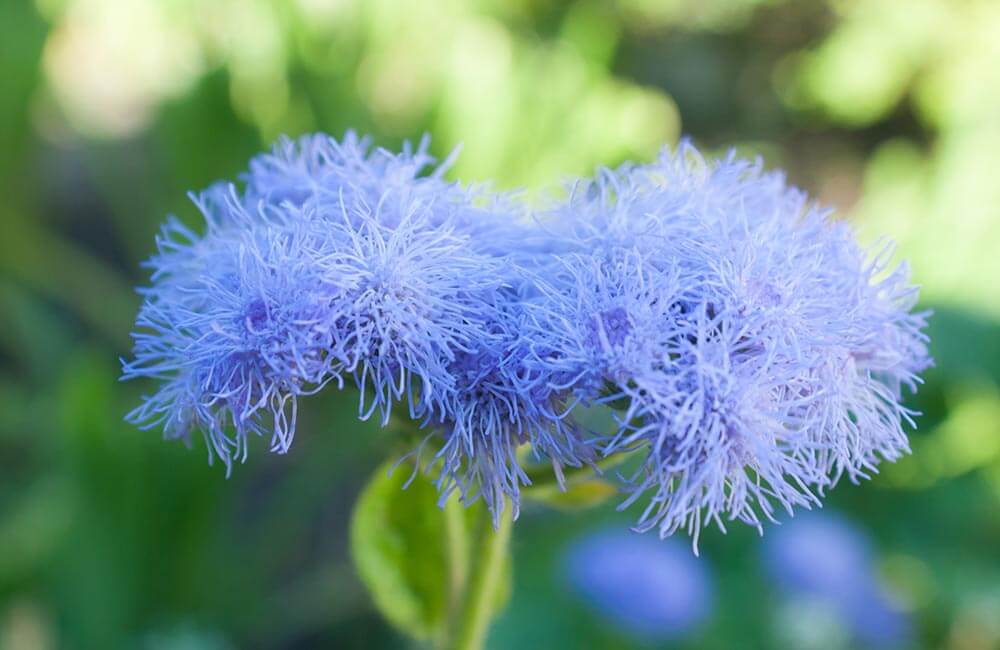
column 480, row 600
column 457, row 539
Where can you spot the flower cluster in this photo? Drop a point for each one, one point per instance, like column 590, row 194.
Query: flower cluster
column 750, row 351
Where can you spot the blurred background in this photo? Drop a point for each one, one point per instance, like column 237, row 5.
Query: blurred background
column 110, row 110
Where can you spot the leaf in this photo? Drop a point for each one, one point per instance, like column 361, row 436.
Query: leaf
column 414, row 556
column 582, row 487
column 399, row 542
column 578, row 495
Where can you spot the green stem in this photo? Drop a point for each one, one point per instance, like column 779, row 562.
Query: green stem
column 480, row 599
column 457, row 540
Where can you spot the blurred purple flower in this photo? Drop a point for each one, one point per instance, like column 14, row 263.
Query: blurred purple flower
column 653, row 590
column 827, row 559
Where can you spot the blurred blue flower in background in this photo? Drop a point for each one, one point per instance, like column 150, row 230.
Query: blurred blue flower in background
column 650, row 589
column 824, row 567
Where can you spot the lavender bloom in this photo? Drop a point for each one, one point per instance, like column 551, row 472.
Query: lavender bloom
column 274, row 302
column 499, row 404
column 421, row 299
column 655, row 591
column 337, row 264
column 602, row 322
column 235, row 328
column 472, row 385
column 318, row 171
column 772, row 349
column 749, row 346
column 825, row 559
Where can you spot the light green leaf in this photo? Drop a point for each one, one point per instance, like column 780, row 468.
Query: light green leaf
column 400, row 546
column 578, row 495
column 582, row 487
column 415, row 557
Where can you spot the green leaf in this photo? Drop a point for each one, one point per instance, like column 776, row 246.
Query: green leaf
column 400, row 544
column 582, row 487
column 414, row 556
column 578, row 495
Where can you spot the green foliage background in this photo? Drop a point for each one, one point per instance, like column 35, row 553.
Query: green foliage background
column 110, row 110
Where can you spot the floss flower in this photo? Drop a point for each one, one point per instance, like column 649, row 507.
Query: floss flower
column 759, row 351
column 276, row 300
column 501, row 404
column 750, row 350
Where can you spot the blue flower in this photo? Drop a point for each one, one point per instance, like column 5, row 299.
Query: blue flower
column 276, row 300
column 602, row 322
column 653, row 590
column 760, row 352
column 501, row 404
column 236, row 326
column 750, row 349
column 825, row 560
column 317, row 171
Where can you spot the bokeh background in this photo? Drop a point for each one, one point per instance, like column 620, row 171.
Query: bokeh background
column 110, row 110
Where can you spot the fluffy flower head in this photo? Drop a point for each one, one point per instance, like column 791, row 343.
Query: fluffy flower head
column 751, row 352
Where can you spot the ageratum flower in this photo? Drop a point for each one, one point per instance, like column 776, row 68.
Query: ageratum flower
column 236, row 326
column 320, row 172
column 750, row 348
column 602, row 322
column 759, row 350
column 318, row 169
column 501, row 404
column 277, row 299
column 334, row 264
column 422, row 298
